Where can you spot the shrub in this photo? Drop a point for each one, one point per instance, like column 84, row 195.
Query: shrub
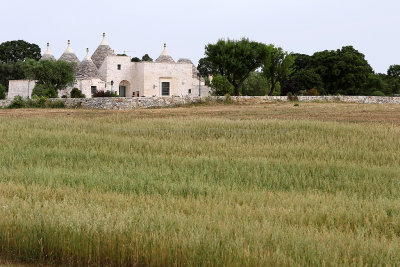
column 2, row 92
column 220, row 85
column 104, row 94
column 76, row 93
column 17, row 102
column 40, row 102
column 312, row 92
column 377, row 93
column 228, row 99
column 35, row 102
column 45, row 90
column 292, row 97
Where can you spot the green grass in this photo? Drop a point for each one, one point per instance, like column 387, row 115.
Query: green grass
column 123, row 190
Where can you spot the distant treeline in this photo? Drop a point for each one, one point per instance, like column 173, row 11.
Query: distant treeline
column 252, row 68
column 244, row 67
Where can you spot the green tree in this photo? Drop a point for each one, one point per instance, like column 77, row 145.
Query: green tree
column 393, row 79
column 146, row 57
column 301, row 61
column 303, row 78
column 11, row 71
column 344, row 71
column 375, row 82
column 277, row 67
column 57, row 74
column 308, row 79
column 255, row 85
column 220, row 85
column 135, row 59
column 394, row 71
column 232, row 59
column 15, row 51
column 45, row 90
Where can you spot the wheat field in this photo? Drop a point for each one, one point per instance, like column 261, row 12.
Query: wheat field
column 223, row 185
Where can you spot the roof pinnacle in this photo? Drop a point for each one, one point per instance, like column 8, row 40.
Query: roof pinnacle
column 48, row 52
column 104, row 41
column 87, row 55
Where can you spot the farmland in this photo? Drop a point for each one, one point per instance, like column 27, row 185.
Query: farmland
column 224, row 185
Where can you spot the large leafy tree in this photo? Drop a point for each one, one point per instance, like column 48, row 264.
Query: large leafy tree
column 11, row 71
column 233, row 59
column 277, row 67
column 303, row 77
column 57, row 74
column 15, row 51
column 344, row 71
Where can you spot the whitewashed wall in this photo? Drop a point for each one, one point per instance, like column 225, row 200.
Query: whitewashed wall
column 20, row 88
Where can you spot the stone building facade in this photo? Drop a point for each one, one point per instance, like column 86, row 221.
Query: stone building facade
column 106, row 71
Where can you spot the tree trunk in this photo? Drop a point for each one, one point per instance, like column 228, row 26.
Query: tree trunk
column 237, row 90
column 272, row 89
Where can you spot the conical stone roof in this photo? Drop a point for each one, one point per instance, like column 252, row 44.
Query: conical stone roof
column 165, row 57
column 87, row 69
column 102, row 52
column 48, row 55
column 188, row 61
column 69, row 55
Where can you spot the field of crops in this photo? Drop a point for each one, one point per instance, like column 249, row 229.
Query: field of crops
column 223, row 185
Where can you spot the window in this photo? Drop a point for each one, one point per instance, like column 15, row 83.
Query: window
column 119, row 66
column 93, row 89
column 190, row 91
column 165, row 89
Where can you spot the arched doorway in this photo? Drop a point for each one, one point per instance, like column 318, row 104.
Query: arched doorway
column 124, row 89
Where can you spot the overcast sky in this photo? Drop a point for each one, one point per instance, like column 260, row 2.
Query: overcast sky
column 302, row 26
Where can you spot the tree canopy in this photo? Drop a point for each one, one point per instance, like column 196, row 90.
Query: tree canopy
column 277, row 67
column 394, row 71
column 146, row 57
column 15, row 51
column 135, row 59
column 57, row 74
column 233, row 59
column 342, row 71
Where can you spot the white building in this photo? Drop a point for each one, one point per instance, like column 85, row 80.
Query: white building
column 105, row 71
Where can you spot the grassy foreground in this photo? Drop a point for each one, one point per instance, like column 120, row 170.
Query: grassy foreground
column 229, row 185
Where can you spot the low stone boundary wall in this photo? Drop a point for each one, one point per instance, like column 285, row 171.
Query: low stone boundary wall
column 344, row 99
column 352, row 99
column 128, row 102
column 123, row 103
column 5, row 103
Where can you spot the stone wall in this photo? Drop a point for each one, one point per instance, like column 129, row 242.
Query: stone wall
column 152, row 102
column 5, row 103
column 352, row 99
